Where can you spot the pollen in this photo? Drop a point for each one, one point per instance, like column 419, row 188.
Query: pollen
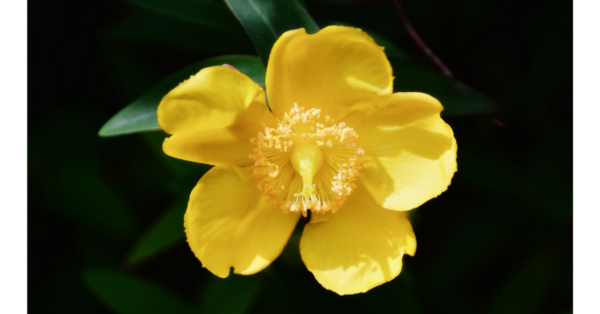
column 308, row 162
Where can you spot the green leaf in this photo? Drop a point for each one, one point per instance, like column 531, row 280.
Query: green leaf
column 456, row 97
column 266, row 20
column 126, row 294
column 231, row 295
column 165, row 232
column 212, row 13
column 140, row 115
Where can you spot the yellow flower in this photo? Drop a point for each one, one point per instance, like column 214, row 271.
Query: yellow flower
column 338, row 144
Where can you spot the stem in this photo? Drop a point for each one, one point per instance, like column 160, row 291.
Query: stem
column 413, row 34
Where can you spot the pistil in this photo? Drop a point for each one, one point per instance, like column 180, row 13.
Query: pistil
column 307, row 159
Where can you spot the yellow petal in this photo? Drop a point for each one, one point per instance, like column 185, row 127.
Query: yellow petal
column 213, row 147
column 357, row 248
column 228, row 223
column 410, row 152
column 213, row 116
column 213, row 98
column 337, row 70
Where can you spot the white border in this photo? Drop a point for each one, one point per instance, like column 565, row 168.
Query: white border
column 586, row 222
column 13, row 164
column 13, row 88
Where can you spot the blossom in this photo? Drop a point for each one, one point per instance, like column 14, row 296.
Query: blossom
column 336, row 143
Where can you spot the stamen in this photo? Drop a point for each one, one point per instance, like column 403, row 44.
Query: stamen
column 307, row 162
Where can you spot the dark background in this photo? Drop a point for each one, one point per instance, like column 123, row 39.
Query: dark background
column 498, row 241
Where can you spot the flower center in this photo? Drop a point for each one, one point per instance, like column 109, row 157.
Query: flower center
column 307, row 162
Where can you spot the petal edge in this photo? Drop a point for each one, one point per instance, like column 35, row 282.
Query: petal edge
column 337, row 70
column 410, row 152
column 357, row 248
column 244, row 232
column 213, row 116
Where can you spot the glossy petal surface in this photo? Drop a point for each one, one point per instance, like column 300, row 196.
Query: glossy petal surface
column 228, row 223
column 410, row 152
column 213, row 116
column 337, row 70
column 357, row 248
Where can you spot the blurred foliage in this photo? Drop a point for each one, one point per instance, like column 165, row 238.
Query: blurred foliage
column 166, row 231
column 105, row 231
column 232, row 295
column 211, row 13
column 125, row 294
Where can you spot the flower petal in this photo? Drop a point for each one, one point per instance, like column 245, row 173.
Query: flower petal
column 213, row 116
column 410, row 152
column 337, row 70
column 213, row 147
column 214, row 98
column 357, row 248
column 228, row 223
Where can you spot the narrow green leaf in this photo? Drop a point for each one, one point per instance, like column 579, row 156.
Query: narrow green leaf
column 165, row 232
column 140, row 115
column 212, row 13
column 231, row 295
column 266, row 20
column 456, row 97
column 126, row 294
